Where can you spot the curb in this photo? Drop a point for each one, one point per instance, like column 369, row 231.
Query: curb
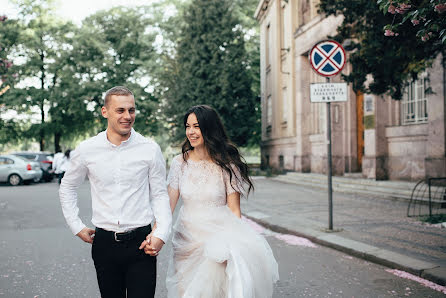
column 426, row 270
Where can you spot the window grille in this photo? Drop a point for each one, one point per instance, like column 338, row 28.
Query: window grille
column 414, row 102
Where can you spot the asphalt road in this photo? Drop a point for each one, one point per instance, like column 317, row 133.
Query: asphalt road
column 41, row 258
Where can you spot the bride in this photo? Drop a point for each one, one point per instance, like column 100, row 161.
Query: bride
column 215, row 253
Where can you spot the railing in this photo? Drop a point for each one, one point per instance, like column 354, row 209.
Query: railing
column 428, row 198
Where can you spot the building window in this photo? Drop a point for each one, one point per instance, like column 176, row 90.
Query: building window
column 268, row 47
column 283, row 34
column 414, row 102
column 304, row 12
column 281, row 162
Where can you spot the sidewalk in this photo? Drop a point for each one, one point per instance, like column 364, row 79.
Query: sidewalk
column 366, row 224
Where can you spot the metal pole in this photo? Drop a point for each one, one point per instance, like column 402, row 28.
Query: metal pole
column 430, row 197
column 329, row 172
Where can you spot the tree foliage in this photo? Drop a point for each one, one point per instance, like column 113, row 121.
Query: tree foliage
column 112, row 49
column 429, row 17
column 61, row 70
column 65, row 69
column 40, row 48
column 9, row 32
column 390, row 61
column 211, row 66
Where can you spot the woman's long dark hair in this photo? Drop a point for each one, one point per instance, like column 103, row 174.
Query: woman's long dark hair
column 217, row 143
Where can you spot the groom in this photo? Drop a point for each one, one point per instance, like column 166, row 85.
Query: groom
column 128, row 191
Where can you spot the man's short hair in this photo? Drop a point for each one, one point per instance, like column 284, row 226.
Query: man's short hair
column 117, row 90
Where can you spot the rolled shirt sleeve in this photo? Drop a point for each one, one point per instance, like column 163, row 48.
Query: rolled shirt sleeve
column 72, row 179
column 159, row 197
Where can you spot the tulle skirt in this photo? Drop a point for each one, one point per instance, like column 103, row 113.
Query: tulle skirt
column 216, row 254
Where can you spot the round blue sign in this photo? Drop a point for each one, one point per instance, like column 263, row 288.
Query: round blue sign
column 327, row 58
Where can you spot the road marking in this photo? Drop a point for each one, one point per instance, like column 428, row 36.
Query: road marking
column 418, row 279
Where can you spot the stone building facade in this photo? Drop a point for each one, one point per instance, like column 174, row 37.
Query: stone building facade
column 373, row 135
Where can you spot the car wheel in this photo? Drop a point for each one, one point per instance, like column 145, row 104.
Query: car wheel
column 14, row 180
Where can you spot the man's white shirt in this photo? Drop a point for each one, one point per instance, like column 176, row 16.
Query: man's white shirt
column 57, row 159
column 128, row 185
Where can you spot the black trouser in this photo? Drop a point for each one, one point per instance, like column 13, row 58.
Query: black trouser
column 60, row 176
column 121, row 268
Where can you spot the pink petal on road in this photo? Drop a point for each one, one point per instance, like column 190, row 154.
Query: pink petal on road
column 294, row 240
column 290, row 239
column 255, row 226
column 420, row 280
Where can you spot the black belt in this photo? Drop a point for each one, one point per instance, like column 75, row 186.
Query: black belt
column 124, row 236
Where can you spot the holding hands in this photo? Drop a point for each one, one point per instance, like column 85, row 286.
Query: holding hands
column 152, row 245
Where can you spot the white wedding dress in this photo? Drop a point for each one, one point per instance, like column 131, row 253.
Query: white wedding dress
column 215, row 254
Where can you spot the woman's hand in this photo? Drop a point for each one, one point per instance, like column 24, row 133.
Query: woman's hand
column 151, row 247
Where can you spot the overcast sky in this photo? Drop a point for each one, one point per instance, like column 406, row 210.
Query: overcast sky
column 76, row 10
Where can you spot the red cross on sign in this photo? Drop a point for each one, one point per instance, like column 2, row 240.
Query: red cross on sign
column 327, row 58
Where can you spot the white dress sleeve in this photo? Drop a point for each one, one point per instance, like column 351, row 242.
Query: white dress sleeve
column 234, row 184
column 173, row 179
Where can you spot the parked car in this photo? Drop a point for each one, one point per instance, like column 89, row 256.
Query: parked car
column 15, row 170
column 45, row 159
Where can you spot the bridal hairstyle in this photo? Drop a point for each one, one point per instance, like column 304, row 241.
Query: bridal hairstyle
column 216, row 141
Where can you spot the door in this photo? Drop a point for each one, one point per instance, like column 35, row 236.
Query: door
column 360, row 127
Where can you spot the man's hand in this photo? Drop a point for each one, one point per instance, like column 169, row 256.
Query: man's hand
column 147, row 241
column 86, row 234
column 152, row 245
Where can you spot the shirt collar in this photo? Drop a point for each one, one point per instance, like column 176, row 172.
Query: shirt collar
column 123, row 143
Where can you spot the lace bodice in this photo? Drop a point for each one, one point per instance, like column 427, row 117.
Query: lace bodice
column 202, row 183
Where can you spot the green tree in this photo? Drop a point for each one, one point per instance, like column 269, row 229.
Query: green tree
column 390, row 61
column 210, row 66
column 65, row 70
column 9, row 32
column 111, row 49
column 42, row 83
column 38, row 45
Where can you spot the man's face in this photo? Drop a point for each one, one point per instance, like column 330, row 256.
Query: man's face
column 120, row 114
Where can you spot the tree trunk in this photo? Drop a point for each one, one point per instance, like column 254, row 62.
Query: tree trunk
column 42, row 132
column 57, row 136
column 42, row 102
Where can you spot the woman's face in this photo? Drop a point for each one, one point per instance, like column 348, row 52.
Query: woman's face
column 193, row 132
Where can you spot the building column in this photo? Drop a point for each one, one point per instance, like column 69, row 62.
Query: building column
column 302, row 161
column 435, row 162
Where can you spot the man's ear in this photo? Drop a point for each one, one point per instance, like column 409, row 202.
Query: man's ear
column 104, row 112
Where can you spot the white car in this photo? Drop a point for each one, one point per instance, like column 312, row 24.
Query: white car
column 15, row 170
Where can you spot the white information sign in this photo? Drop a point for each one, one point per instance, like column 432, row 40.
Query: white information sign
column 328, row 92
